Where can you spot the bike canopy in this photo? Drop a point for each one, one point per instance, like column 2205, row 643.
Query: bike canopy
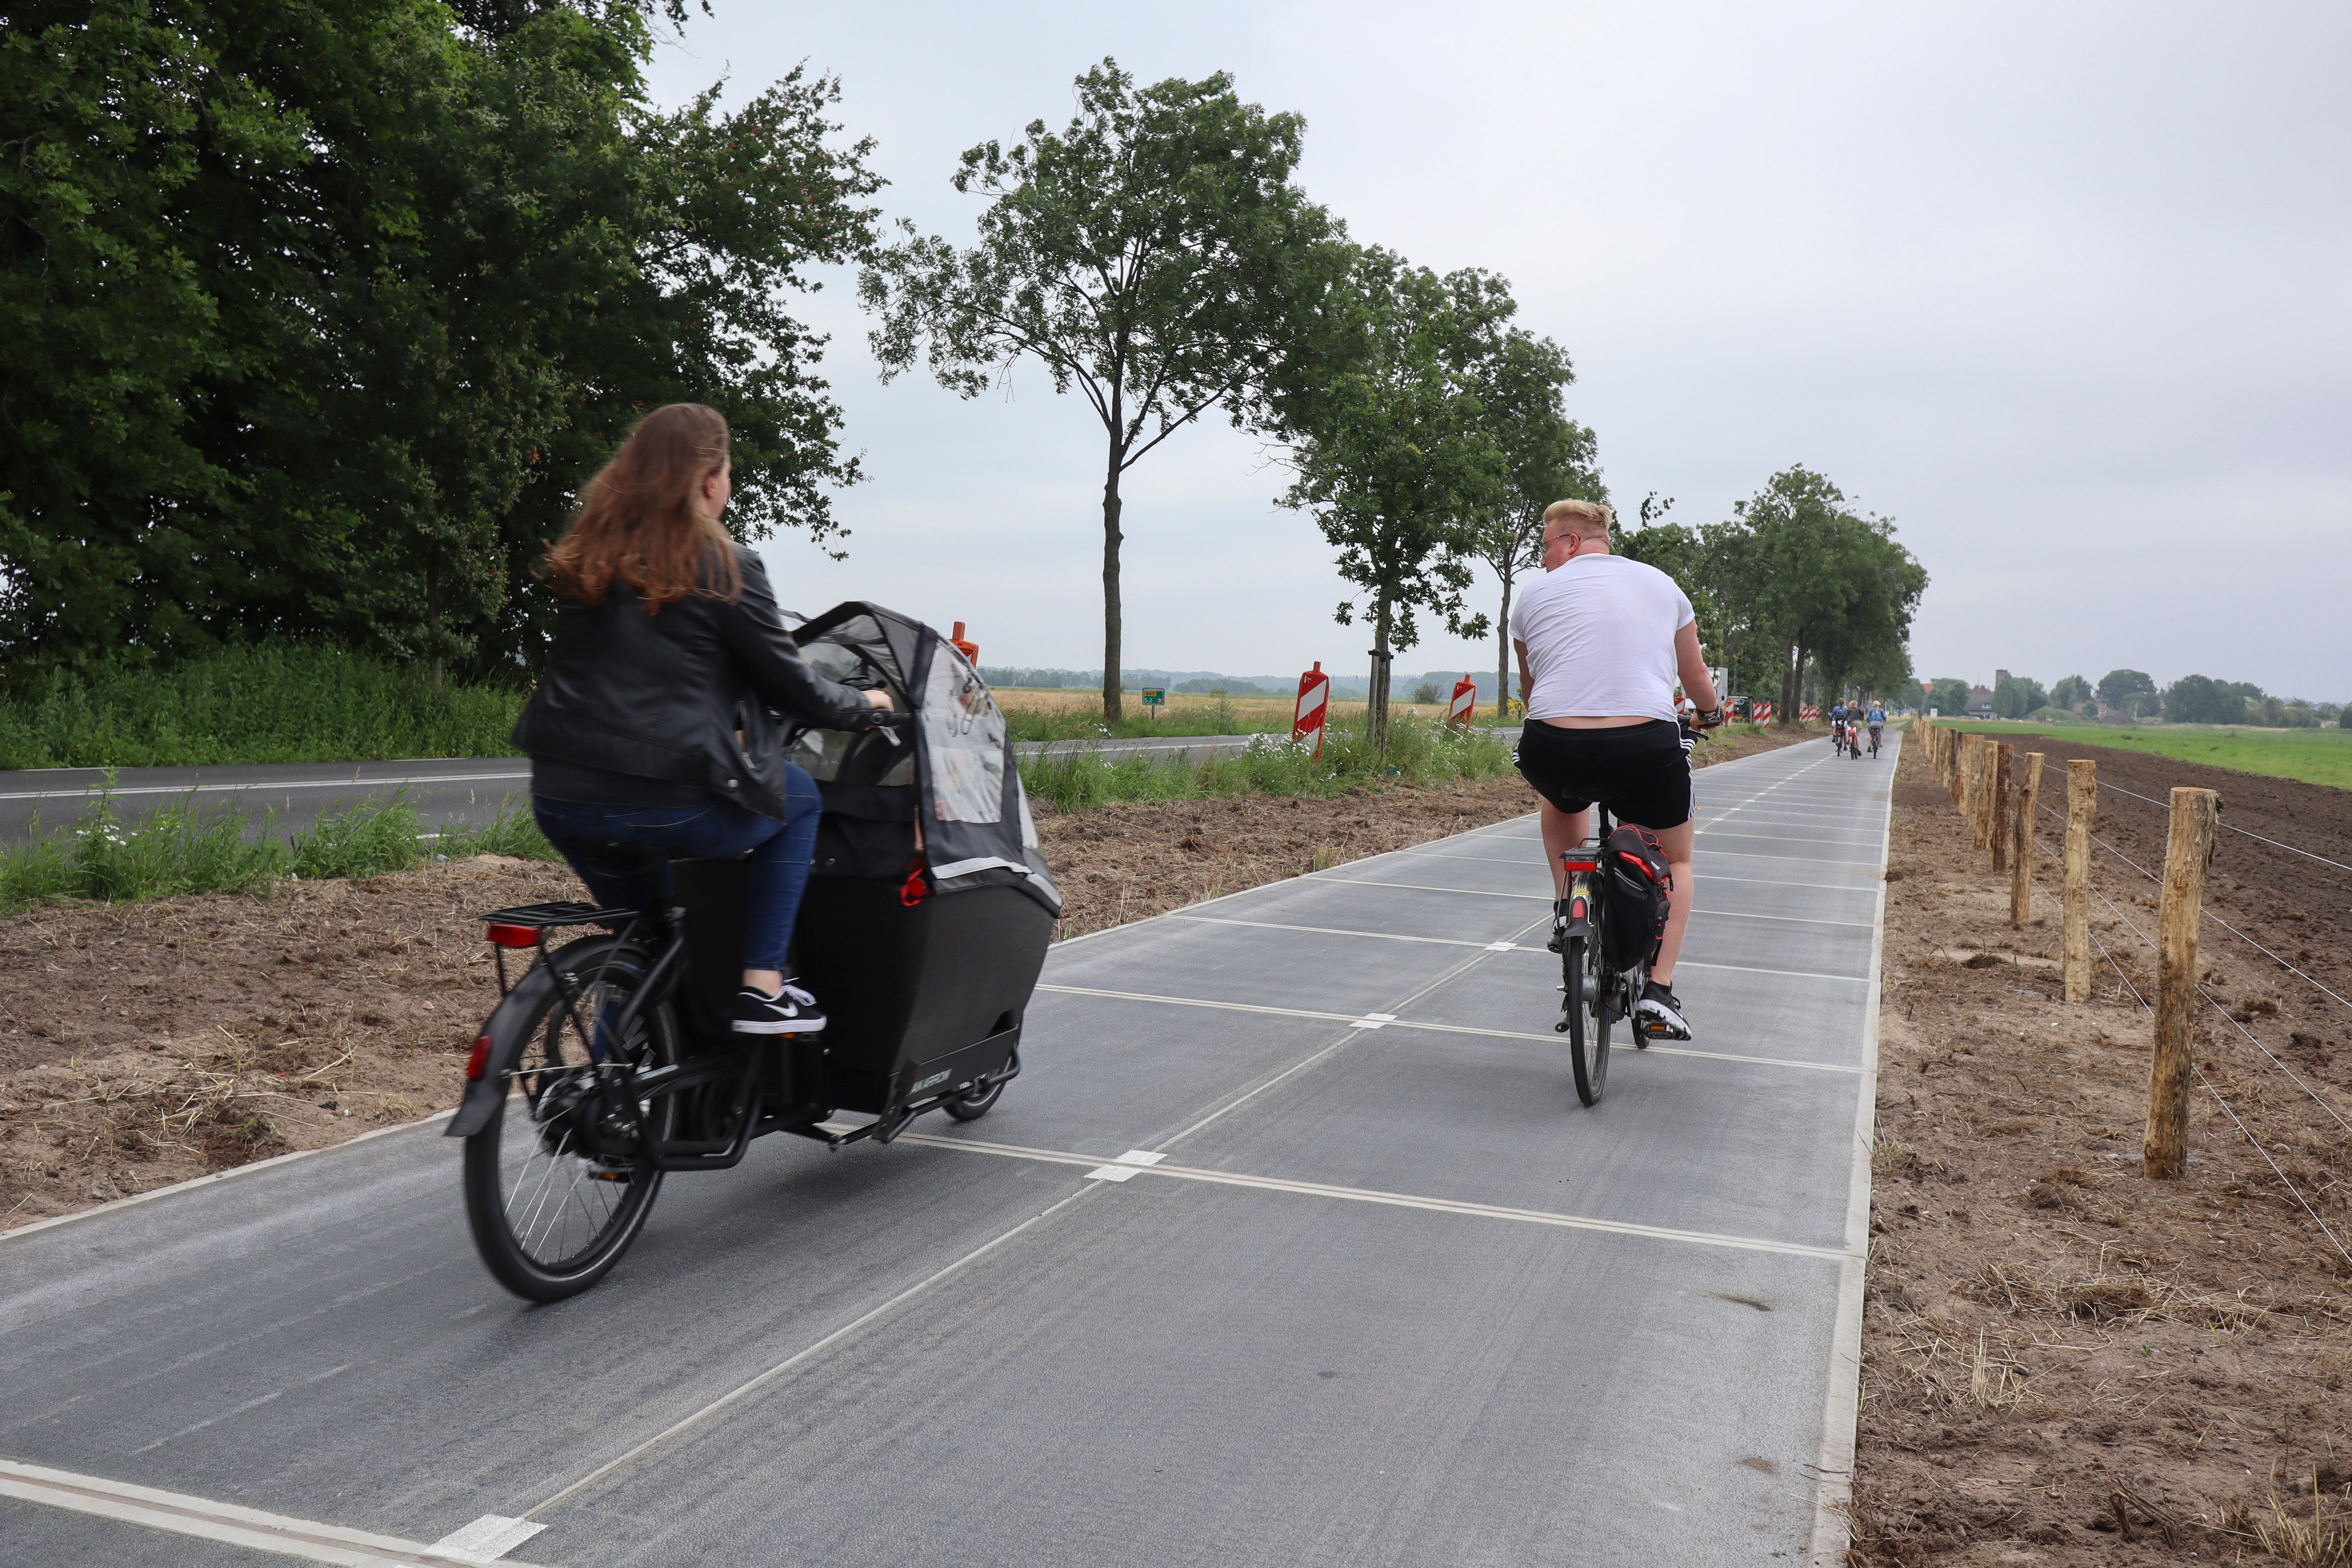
column 953, row 805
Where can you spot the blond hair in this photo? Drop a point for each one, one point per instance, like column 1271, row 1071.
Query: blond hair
column 1589, row 517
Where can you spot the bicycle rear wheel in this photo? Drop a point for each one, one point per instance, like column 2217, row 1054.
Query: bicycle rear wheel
column 1587, row 1017
column 559, row 1184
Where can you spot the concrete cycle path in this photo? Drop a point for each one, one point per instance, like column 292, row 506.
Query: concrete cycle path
column 1291, row 1245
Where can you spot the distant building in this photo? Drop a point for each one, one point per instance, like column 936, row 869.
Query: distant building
column 1980, row 698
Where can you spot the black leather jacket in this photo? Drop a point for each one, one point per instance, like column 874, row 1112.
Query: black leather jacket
column 661, row 697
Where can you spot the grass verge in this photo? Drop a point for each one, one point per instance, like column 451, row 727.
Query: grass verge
column 2312, row 756
column 270, row 703
column 185, row 849
column 1421, row 753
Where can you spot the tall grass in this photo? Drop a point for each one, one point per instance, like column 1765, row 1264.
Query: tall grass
column 269, row 703
column 1424, row 753
column 184, row 850
column 1218, row 716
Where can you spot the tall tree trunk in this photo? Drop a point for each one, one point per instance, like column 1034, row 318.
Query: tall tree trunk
column 433, row 620
column 1111, row 682
column 1792, row 663
column 1503, row 659
column 1376, row 726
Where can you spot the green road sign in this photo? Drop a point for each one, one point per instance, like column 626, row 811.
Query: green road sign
column 1154, row 696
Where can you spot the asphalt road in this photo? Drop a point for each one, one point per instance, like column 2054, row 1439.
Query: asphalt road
column 444, row 790
column 1355, row 1280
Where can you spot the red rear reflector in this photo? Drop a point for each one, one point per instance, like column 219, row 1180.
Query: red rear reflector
column 514, row 936
column 478, row 1062
column 1573, row 864
column 1576, row 910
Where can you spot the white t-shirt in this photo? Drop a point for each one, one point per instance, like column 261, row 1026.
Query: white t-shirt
column 1599, row 632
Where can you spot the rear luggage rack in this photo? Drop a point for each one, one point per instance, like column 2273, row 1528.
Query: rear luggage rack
column 526, row 925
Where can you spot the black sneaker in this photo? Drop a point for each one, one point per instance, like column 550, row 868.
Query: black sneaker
column 791, row 1011
column 1662, row 1012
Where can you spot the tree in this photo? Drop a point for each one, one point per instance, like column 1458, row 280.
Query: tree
column 318, row 316
column 2070, row 693
column 2118, row 685
column 1399, row 458
column 1683, row 554
column 1154, row 255
column 1549, row 457
column 2199, row 700
column 2015, row 696
column 1803, row 578
column 1949, row 696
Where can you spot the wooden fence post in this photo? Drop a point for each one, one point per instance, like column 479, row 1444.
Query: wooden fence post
column 1997, row 805
column 2186, row 848
column 2021, row 824
column 1979, row 786
column 1956, row 778
column 2081, row 805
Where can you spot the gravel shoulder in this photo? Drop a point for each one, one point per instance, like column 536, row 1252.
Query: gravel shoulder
column 2065, row 1362
column 146, row 1044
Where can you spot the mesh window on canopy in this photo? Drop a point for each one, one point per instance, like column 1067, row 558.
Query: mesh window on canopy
column 966, row 739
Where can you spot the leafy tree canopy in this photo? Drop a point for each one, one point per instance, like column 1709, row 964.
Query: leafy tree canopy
column 1400, row 457
column 1154, row 256
column 2118, row 684
column 316, row 316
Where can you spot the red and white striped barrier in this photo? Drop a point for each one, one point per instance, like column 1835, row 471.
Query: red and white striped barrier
column 1809, row 715
column 1464, row 706
column 1314, row 706
column 1760, row 712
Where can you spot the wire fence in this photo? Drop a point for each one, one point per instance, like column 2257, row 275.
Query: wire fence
column 2301, row 1198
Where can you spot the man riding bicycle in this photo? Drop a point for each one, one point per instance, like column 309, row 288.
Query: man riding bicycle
column 1838, row 717
column 1877, row 722
column 1600, row 640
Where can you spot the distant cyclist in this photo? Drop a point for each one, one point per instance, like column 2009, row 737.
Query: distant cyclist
column 1877, row 722
column 1838, row 717
column 1601, row 641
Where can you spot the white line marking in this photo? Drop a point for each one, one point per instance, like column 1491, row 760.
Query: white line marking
column 523, row 777
column 1788, row 973
column 489, row 1537
column 1400, row 1200
column 1375, row 1021
column 751, row 1386
column 230, row 1523
column 149, row 1196
column 1327, row 930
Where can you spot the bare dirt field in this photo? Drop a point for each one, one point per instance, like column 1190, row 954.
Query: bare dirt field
column 2065, row 1362
column 146, row 1044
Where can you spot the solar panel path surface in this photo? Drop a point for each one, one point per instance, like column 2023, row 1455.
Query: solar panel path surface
column 1292, row 1244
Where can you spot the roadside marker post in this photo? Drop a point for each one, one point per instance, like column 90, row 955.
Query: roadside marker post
column 1464, row 706
column 1314, row 706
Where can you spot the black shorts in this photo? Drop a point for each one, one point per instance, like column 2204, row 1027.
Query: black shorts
column 1640, row 772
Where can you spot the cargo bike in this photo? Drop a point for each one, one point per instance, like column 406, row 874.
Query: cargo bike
column 611, row 1062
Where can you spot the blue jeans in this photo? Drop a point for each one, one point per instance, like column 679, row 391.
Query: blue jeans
column 780, row 853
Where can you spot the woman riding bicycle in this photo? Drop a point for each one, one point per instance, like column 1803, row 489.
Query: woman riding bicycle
column 652, row 723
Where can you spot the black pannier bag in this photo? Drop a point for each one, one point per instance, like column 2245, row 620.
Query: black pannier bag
column 1640, row 887
column 928, row 909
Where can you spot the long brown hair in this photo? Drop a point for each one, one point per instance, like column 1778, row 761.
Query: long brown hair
column 637, row 522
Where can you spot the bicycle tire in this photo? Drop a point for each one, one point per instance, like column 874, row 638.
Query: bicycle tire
column 541, row 1159
column 972, row 1107
column 1587, row 1017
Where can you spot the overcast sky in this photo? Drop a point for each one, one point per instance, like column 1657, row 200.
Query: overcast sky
column 2066, row 291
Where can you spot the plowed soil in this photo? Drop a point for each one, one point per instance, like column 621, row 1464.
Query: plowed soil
column 2064, row 1361
column 146, row 1044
